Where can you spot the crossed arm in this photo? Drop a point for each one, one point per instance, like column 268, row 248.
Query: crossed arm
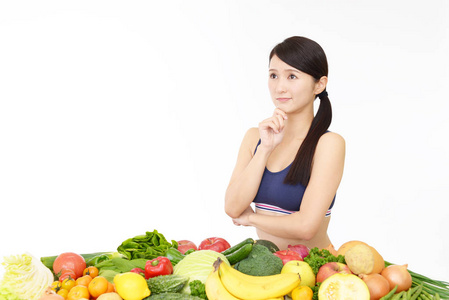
column 327, row 171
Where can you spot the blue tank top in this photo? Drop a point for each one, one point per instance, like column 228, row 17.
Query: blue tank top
column 277, row 196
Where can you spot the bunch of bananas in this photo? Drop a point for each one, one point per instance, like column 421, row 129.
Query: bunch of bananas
column 226, row 283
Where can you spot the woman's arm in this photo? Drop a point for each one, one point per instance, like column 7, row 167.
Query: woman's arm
column 326, row 175
column 247, row 174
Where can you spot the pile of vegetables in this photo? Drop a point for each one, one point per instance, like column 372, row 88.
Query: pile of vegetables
column 158, row 270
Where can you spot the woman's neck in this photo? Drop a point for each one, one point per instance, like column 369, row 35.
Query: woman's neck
column 297, row 125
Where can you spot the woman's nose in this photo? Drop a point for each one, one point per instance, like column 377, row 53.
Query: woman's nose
column 281, row 86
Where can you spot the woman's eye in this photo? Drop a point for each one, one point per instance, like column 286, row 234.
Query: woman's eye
column 273, row 76
column 292, row 76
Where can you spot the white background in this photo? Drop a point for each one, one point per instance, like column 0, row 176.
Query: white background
column 118, row 118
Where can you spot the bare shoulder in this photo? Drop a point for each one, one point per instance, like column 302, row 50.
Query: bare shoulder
column 331, row 142
column 251, row 138
column 331, row 139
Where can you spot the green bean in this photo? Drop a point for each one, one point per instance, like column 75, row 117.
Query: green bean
column 416, row 293
column 397, row 296
column 390, row 294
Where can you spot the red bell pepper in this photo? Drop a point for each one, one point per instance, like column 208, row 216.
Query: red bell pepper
column 288, row 255
column 158, row 266
column 138, row 271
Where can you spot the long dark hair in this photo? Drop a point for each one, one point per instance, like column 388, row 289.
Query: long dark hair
column 308, row 57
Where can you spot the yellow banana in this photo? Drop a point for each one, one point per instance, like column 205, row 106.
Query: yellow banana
column 249, row 287
column 215, row 289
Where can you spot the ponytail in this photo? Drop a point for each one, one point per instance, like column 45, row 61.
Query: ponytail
column 302, row 165
column 307, row 56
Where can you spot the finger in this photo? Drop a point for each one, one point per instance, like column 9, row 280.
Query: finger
column 277, row 122
column 274, row 125
column 281, row 122
column 280, row 112
column 269, row 124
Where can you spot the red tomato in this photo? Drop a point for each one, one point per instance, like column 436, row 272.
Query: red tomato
column 185, row 245
column 70, row 261
column 67, row 273
column 214, row 243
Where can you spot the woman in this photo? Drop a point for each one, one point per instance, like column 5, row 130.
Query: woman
column 291, row 165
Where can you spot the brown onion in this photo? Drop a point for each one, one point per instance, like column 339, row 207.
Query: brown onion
column 398, row 275
column 49, row 294
column 378, row 285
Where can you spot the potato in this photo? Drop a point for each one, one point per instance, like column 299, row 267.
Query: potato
column 109, row 296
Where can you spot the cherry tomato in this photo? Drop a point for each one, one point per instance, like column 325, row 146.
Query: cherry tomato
column 56, row 286
column 91, row 271
column 68, row 283
column 63, row 293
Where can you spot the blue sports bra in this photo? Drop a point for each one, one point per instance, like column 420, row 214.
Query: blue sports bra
column 277, row 196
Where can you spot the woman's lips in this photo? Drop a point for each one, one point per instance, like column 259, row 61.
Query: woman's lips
column 282, row 99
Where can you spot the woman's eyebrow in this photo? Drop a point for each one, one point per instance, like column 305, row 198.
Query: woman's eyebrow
column 288, row 70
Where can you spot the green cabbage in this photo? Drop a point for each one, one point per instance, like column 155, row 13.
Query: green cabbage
column 25, row 277
column 197, row 266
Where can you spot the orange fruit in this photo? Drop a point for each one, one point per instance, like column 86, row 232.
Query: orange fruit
column 78, row 292
column 98, row 286
column 111, row 287
column 302, row 292
column 91, row 271
column 84, row 280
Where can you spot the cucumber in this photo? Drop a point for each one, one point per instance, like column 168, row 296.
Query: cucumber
column 238, row 246
column 239, row 254
column 167, row 283
column 174, row 255
column 270, row 245
column 172, row 296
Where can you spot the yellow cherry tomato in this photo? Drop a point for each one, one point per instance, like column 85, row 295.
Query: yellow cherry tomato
column 68, row 283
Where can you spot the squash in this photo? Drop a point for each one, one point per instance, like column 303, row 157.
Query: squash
column 343, row 286
column 364, row 259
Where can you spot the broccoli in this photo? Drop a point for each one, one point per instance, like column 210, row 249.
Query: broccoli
column 260, row 262
column 197, row 288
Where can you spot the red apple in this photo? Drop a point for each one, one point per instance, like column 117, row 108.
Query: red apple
column 331, row 268
column 184, row 245
column 214, row 243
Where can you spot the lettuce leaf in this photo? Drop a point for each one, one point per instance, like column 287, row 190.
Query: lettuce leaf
column 25, row 277
column 197, row 266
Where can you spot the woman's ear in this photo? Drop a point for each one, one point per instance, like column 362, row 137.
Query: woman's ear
column 320, row 85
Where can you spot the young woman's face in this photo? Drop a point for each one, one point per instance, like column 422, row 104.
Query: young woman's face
column 291, row 90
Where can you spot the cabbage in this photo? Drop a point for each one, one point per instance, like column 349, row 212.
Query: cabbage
column 197, row 266
column 25, row 277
